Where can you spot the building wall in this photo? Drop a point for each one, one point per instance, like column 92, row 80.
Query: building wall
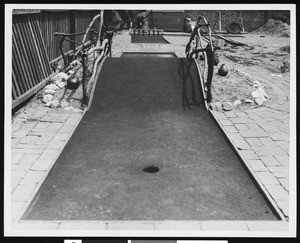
column 252, row 19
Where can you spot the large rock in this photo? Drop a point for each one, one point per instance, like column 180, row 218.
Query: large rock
column 236, row 103
column 59, row 77
column 49, row 91
column 228, row 106
column 51, row 87
column 216, row 106
column 259, row 101
column 60, row 84
column 47, row 98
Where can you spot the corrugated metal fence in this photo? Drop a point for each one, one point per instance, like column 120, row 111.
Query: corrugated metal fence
column 34, row 46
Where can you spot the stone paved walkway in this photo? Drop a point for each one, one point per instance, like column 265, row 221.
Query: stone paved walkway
column 261, row 137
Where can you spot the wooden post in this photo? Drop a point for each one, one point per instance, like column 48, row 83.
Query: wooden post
column 72, row 28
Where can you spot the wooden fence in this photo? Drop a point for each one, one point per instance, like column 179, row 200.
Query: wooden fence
column 34, row 46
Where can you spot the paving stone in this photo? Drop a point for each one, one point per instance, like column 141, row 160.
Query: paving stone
column 230, row 114
column 225, row 122
column 28, row 159
column 283, row 159
column 16, row 208
column 230, row 129
column 277, row 192
column 62, row 136
column 53, row 119
column 253, row 142
column 132, row 225
column 241, row 114
column 42, row 125
column 18, row 173
column 15, row 157
column 27, row 151
column 273, row 226
column 56, row 144
column 73, row 119
column 257, row 165
column 239, row 141
column 253, row 133
column 283, row 144
column 85, row 225
column 29, row 139
column 33, row 177
column 39, row 114
column 264, row 151
column 44, row 140
column 224, row 225
column 241, row 120
column 248, row 154
column 185, row 225
column 269, row 161
column 219, row 115
column 279, row 137
column 43, row 133
column 30, row 146
column 284, row 206
column 55, row 126
column 22, row 193
column 253, row 126
column 241, row 127
column 47, row 159
column 268, row 142
column 15, row 180
column 14, row 141
column 267, row 178
column 67, row 128
column 18, row 167
column 285, row 183
column 275, row 169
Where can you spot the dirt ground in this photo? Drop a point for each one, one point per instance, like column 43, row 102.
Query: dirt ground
column 259, row 60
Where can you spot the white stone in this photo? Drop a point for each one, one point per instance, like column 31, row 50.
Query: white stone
column 59, row 77
column 48, row 91
column 256, row 83
column 60, row 84
column 53, row 103
column 215, row 106
column 228, row 106
column 64, row 104
column 51, row 86
column 248, row 101
column 236, row 103
column 259, row 101
column 263, row 92
column 47, row 98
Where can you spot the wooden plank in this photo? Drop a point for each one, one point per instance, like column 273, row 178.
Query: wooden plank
column 231, row 41
column 25, row 58
column 15, row 83
column 22, row 78
column 29, row 50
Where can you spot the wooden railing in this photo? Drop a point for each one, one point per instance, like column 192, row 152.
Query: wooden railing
column 202, row 29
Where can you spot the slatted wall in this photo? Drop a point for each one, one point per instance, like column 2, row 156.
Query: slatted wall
column 51, row 22
column 30, row 62
column 34, row 46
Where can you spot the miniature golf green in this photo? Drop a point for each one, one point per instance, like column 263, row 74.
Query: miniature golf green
column 148, row 39
column 148, row 150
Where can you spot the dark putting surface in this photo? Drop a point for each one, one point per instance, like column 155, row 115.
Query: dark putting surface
column 143, row 115
column 148, row 54
column 148, row 39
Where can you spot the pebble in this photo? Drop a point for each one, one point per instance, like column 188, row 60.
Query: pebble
column 60, row 84
column 228, row 106
column 47, row 98
column 64, row 104
column 259, row 101
column 53, row 103
column 51, row 86
column 216, row 106
column 236, row 103
column 49, row 91
column 248, row 101
column 263, row 92
column 59, row 77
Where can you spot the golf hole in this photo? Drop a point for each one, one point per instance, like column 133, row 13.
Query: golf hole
column 151, row 169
